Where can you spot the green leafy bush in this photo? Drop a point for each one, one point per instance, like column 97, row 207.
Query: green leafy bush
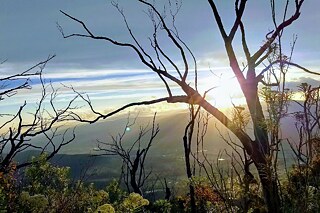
column 163, row 206
column 8, row 189
column 133, row 203
column 106, row 208
column 36, row 203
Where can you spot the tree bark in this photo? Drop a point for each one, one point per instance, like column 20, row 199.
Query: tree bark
column 133, row 173
column 189, row 174
column 260, row 148
column 269, row 187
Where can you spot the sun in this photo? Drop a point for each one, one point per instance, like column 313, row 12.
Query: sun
column 225, row 92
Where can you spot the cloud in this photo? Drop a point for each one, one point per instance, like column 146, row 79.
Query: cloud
column 214, row 60
column 294, row 83
column 114, row 75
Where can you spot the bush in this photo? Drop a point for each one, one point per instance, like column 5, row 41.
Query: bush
column 35, row 203
column 163, row 206
column 8, row 189
column 106, row 208
column 302, row 192
column 116, row 194
column 49, row 187
column 133, row 203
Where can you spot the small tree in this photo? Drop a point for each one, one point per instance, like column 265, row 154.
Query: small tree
column 302, row 185
column 133, row 156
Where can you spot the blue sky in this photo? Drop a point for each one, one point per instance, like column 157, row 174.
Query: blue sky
column 113, row 75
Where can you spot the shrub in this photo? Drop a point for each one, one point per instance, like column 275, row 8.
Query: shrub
column 133, row 203
column 106, row 208
column 163, row 206
column 8, row 189
column 35, row 203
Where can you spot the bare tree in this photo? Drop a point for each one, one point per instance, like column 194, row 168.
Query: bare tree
column 187, row 144
column 307, row 125
column 160, row 62
column 132, row 153
column 224, row 179
column 18, row 131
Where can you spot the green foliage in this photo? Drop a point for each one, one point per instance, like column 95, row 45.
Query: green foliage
column 240, row 117
column 162, row 206
column 86, row 198
column 35, row 203
column 277, row 106
column 233, row 194
column 133, row 203
column 8, row 190
column 116, row 194
column 302, row 192
column 179, row 204
column 43, row 177
column 106, row 208
column 48, row 188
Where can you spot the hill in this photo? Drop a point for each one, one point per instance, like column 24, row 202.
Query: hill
column 166, row 156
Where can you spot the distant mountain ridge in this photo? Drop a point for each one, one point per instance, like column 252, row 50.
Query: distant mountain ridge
column 166, row 155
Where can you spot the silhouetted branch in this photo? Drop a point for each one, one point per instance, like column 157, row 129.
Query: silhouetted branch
column 8, row 81
column 19, row 132
column 282, row 62
column 133, row 153
column 278, row 30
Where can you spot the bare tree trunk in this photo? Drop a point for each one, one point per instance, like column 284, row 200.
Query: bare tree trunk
column 133, row 173
column 270, row 189
column 189, row 173
column 134, row 184
column 260, row 149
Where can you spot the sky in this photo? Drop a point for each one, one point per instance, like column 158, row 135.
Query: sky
column 113, row 76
